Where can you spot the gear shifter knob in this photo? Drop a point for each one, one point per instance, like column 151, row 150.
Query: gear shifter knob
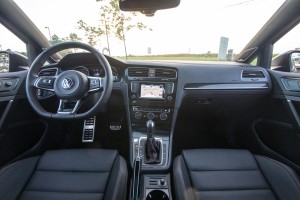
column 152, row 147
column 150, row 128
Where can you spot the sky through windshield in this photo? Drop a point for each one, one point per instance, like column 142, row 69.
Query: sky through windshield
column 194, row 27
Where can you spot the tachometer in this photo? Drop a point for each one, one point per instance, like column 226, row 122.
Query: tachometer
column 114, row 72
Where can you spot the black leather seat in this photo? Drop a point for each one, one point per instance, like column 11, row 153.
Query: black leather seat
column 211, row 174
column 66, row 175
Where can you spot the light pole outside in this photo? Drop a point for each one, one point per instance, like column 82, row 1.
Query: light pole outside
column 47, row 27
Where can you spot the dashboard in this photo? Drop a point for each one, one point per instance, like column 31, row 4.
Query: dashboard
column 188, row 77
column 162, row 86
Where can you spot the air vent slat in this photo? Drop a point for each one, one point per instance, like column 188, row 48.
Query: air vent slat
column 138, row 72
column 253, row 74
column 48, row 72
column 165, row 73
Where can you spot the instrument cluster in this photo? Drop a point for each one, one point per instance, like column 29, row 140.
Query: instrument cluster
column 97, row 71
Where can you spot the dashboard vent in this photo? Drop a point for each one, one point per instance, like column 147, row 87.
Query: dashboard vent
column 48, row 72
column 252, row 74
column 165, row 73
column 138, row 72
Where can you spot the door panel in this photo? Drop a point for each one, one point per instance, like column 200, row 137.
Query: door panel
column 279, row 140
column 277, row 127
column 20, row 128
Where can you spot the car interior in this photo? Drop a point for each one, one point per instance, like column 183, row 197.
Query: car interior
column 92, row 126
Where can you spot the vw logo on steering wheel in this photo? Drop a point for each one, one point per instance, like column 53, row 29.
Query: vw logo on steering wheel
column 67, row 83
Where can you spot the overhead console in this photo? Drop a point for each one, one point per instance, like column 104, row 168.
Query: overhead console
column 152, row 93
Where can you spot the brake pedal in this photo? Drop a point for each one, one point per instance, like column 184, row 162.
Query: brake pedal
column 89, row 129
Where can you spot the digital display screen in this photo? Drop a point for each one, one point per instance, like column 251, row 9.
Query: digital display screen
column 152, row 91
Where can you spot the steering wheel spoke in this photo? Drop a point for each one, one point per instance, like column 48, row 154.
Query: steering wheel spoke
column 95, row 84
column 45, row 83
column 68, row 107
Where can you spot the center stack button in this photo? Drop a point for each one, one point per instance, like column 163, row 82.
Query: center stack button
column 138, row 115
column 163, row 116
column 150, row 115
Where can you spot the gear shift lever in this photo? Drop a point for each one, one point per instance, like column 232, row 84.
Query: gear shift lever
column 152, row 147
column 150, row 128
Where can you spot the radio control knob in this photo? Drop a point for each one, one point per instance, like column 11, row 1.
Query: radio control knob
column 169, row 98
column 150, row 116
column 133, row 96
column 163, row 116
column 138, row 115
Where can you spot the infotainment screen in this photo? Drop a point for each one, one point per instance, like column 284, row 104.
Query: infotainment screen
column 152, row 91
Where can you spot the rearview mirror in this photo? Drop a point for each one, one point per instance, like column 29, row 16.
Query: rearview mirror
column 287, row 62
column 147, row 5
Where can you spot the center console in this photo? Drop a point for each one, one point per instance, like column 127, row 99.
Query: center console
column 152, row 95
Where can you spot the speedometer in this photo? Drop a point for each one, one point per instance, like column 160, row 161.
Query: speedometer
column 82, row 70
column 96, row 71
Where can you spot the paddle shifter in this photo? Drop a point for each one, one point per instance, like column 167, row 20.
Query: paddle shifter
column 152, row 147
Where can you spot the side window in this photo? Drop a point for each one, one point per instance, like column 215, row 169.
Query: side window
column 13, row 55
column 254, row 61
column 286, row 52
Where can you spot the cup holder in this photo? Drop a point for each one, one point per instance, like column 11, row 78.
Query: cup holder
column 157, row 195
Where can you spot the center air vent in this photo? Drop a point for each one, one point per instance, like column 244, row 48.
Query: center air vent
column 165, row 73
column 138, row 72
column 48, row 72
column 252, row 74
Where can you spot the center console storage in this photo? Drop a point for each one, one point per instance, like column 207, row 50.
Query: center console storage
column 149, row 186
column 156, row 187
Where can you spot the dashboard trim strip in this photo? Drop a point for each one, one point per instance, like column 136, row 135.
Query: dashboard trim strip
column 228, row 86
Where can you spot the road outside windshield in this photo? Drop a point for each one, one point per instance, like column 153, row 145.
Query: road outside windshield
column 214, row 30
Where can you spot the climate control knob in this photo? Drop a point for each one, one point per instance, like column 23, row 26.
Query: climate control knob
column 150, row 115
column 163, row 116
column 138, row 115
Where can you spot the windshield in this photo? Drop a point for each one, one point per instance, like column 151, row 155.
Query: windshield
column 195, row 30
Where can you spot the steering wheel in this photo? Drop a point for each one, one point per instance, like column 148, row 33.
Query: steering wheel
column 70, row 86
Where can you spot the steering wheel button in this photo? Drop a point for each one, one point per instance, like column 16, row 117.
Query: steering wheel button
column 94, row 83
column 8, row 83
column 46, row 83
